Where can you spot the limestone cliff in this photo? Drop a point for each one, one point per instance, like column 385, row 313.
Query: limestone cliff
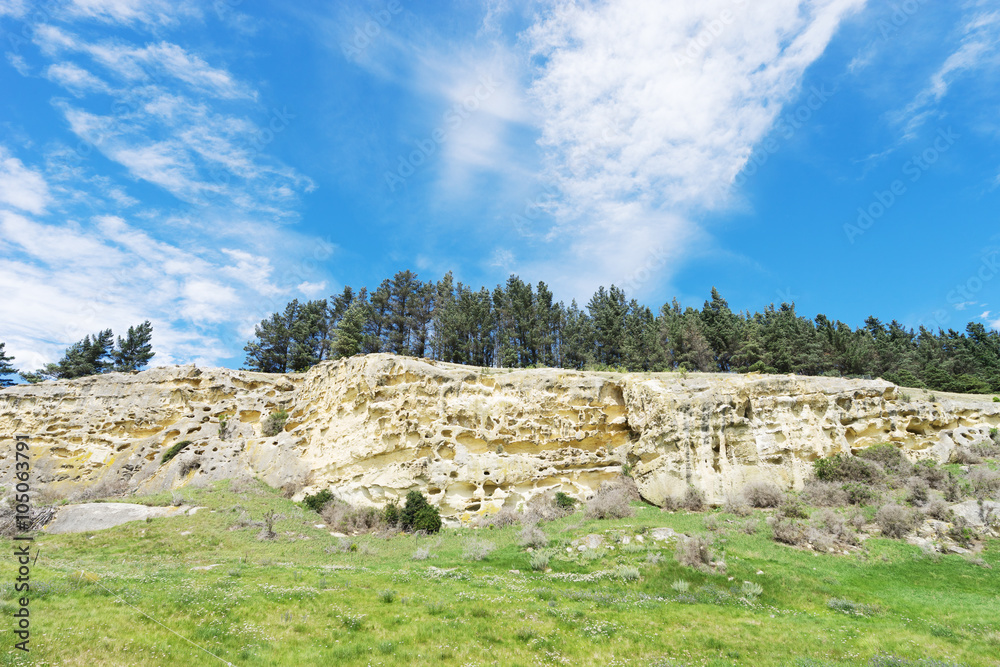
column 371, row 428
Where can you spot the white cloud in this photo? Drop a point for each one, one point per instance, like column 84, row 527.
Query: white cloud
column 64, row 281
column 978, row 49
column 129, row 12
column 21, row 187
column 13, row 8
column 75, row 78
column 650, row 109
column 18, row 63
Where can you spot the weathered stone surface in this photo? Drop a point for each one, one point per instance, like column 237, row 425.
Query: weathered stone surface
column 371, row 428
column 98, row 516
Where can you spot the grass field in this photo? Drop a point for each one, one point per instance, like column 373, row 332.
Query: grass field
column 116, row 597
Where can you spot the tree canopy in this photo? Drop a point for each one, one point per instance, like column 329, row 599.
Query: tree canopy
column 98, row 353
column 518, row 324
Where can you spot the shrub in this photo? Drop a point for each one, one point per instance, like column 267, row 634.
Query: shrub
column 533, row 536
column 428, row 519
column 931, row 473
column 693, row 500
column 387, row 596
column 317, row 501
column 423, row 553
column 654, row 557
column 390, row 513
column 762, row 494
column 824, row 494
column 985, row 483
column 918, row 491
column 681, row 586
column 627, row 572
column 346, row 518
column 844, row 468
column 544, row 508
column 612, row 501
column 894, row 520
column 938, row 509
column 478, row 549
column 861, row 494
column 996, row 399
column 965, row 457
column 793, row 508
column 953, row 489
column 539, row 560
column 174, row 451
column 274, row 424
column 749, row 526
column 505, row 518
column 694, row 552
column 564, row 501
column 889, row 457
column 418, row 514
column 788, row 531
column 736, row 504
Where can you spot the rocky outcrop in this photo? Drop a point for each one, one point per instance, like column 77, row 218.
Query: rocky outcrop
column 373, row 427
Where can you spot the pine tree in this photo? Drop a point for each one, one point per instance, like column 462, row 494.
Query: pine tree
column 608, row 309
column 269, row 351
column 378, row 324
column 308, row 336
column 348, row 335
column 5, row 367
column 90, row 356
column 134, row 351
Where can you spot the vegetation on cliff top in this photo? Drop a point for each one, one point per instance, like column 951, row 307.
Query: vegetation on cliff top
column 519, row 325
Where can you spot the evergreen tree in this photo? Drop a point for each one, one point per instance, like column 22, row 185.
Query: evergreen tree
column 378, row 323
column 269, row 351
column 5, row 367
column 348, row 335
column 90, row 356
column 308, row 336
column 134, row 351
column 608, row 309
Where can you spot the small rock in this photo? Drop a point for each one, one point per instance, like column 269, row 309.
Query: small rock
column 515, row 571
column 187, row 532
column 638, row 538
column 663, row 533
column 321, row 526
column 205, row 568
column 760, row 571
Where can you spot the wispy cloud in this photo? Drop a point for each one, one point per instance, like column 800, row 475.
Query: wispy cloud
column 21, row 187
column 978, row 48
column 650, row 109
column 131, row 12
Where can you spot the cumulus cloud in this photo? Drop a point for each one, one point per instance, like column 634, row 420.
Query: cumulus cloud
column 21, row 187
column 650, row 109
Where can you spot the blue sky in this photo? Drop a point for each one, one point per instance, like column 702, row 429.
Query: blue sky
column 199, row 164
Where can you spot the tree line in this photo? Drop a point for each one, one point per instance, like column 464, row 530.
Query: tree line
column 95, row 354
column 518, row 325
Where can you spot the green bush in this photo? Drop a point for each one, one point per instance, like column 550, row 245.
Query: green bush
column 275, row 423
column 317, row 501
column 174, row 451
column 859, row 493
column 841, row 468
column 888, row 456
column 564, row 501
column 391, row 513
column 996, row 399
column 418, row 514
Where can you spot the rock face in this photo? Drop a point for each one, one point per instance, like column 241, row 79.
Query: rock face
column 371, row 428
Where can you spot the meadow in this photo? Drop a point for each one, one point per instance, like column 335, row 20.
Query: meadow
column 131, row 595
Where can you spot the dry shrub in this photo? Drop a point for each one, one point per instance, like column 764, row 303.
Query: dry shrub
column 890, row 457
column 750, row 526
column 289, row 489
column 106, row 488
column 736, row 504
column 938, row 509
column 544, row 508
column 346, row 518
column 894, row 520
column 857, row 519
column 787, row 530
column 934, row 475
column 965, row 457
column 918, row 491
column 506, row 517
column 613, row 500
column 712, row 523
column 670, row 504
column 694, row 552
column 533, row 536
column 985, row 483
column 824, row 494
column 478, row 549
column 987, row 450
column 762, row 494
column 693, row 500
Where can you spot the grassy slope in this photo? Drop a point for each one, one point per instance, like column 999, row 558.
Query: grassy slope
column 290, row 601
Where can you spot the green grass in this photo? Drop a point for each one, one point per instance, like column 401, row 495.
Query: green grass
column 301, row 599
